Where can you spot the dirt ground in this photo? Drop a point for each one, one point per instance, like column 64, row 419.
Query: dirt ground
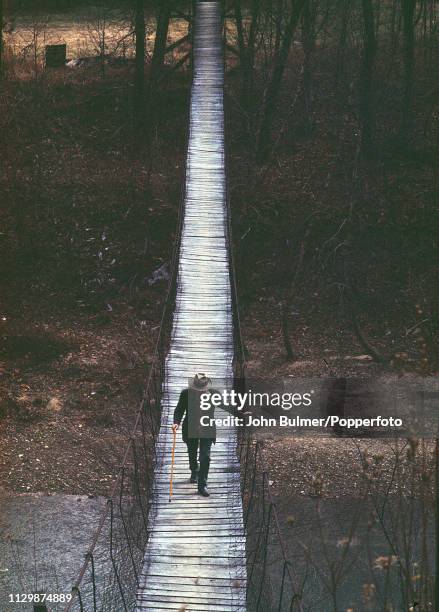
column 66, row 417
column 90, row 220
column 84, row 254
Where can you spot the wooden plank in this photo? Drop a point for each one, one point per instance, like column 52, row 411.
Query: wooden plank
column 198, row 554
column 185, row 510
column 213, row 584
column 198, row 524
column 188, row 607
column 186, row 598
column 190, row 570
column 217, row 592
column 202, row 526
column 214, row 539
column 201, row 564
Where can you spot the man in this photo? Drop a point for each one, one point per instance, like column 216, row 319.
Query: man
column 194, row 435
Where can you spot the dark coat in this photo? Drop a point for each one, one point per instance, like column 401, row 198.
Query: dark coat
column 188, row 408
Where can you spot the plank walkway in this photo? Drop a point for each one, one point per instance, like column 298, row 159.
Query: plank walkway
column 195, row 558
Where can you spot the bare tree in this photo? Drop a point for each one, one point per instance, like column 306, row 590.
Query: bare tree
column 97, row 30
column 292, row 273
column 240, row 35
column 163, row 17
column 247, row 30
column 345, row 7
column 308, row 41
column 33, row 36
column 139, row 85
column 274, row 84
column 249, row 58
column 1, row 37
column 367, row 113
column 408, row 13
column 107, row 29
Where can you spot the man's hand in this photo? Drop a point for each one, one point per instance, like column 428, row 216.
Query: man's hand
column 175, row 427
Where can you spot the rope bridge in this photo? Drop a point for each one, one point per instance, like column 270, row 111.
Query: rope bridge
column 195, row 557
column 203, row 554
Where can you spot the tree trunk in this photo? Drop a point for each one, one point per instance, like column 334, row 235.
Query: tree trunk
column 308, row 41
column 1, row 38
column 291, row 274
column 191, row 31
column 103, row 44
column 273, row 87
column 247, row 92
column 408, row 11
column 159, row 44
column 366, row 79
column 341, row 48
column 278, row 36
column 157, row 58
column 242, row 52
column 139, row 82
column 240, row 33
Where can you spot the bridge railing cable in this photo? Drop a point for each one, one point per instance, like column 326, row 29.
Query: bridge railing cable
column 270, row 579
column 271, row 584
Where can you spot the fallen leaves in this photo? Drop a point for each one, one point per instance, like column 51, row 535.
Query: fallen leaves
column 54, row 405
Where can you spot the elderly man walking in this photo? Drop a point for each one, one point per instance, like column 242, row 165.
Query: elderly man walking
column 198, row 438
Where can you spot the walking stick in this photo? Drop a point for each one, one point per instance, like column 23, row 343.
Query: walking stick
column 174, row 433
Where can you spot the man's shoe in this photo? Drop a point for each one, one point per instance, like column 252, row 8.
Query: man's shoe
column 194, row 476
column 204, row 492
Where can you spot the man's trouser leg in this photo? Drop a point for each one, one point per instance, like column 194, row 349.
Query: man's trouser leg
column 192, row 450
column 205, row 444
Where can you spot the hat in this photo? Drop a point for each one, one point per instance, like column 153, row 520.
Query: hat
column 200, row 381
